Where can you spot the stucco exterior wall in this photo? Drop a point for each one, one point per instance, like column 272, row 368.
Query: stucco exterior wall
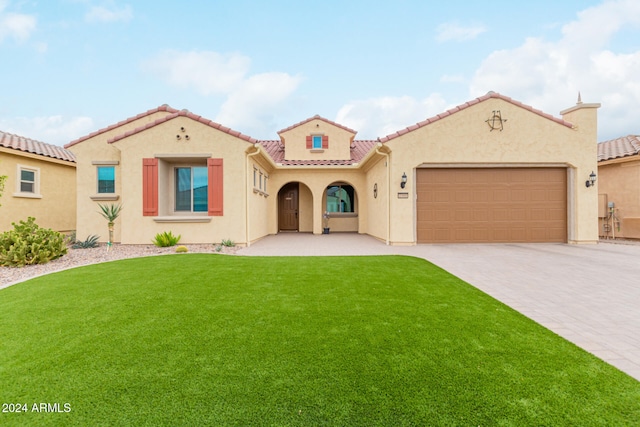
column 618, row 183
column 377, row 224
column 160, row 141
column 54, row 204
column 296, row 148
column 528, row 139
column 96, row 149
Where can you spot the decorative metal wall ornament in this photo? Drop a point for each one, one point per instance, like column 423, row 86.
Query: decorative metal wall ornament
column 375, row 190
column 496, row 122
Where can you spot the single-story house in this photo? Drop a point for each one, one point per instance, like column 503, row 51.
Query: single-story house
column 41, row 182
column 489, row 170
column 618, row 187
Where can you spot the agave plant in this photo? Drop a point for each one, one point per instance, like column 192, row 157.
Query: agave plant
column 110, row 213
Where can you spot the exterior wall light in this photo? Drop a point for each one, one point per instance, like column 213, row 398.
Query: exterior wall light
column 403, row 181
column 591, row 181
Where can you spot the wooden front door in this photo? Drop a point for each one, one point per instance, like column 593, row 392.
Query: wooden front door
column 288, row 207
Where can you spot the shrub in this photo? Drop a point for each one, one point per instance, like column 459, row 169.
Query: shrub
column 166, row 239
column 90, row 242
column 29, row 244
column 182, row 249
column 228, row 243
column 218, row 248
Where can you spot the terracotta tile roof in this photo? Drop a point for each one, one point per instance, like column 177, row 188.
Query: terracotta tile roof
column 163, row 107
column 469, row 104
column 624, row 146
column 359, row 149
column 184, row 113
column 32, row 146
column 317, row 117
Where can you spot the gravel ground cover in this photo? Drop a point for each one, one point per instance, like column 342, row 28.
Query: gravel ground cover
column 79, row 257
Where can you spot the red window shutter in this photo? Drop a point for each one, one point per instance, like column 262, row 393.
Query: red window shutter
column 325, row 141
column 215, row 190
column 309, row 142
column 149, row 187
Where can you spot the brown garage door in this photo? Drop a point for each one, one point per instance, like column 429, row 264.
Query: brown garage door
column 487, row 205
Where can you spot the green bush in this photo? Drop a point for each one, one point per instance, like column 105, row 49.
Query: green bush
column 182, row 249
column 29, row 244
column 228, row 243
column 166, row 239
column 90, row 242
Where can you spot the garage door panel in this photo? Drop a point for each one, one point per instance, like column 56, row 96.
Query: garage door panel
column 492, row 205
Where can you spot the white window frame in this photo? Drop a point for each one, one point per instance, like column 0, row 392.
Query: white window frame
column 36, row 182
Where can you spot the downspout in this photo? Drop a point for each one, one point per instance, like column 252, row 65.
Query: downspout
column 378, row 146
column 247, row 192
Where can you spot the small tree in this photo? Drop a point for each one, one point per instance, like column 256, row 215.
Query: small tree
column 110, row 213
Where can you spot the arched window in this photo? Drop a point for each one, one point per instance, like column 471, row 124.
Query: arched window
column 340, row 198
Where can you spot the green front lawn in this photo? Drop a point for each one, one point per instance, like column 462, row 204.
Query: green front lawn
column 229, row 340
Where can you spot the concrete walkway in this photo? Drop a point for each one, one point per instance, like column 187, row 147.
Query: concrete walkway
column 588, row 294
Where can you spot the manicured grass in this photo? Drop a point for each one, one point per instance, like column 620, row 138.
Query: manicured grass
column 223, row 340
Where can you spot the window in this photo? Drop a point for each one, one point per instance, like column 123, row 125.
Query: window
column 317, row 142
column 340, row 198
column 106, row 179
column 191, row 189
column 27, row 181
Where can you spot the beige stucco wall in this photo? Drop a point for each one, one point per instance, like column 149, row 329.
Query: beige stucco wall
column 204, row 141
column 618, row 183
column 528, row 139
column 295, row 145
column 377, row 222
column 96, row 149
column 54, row 206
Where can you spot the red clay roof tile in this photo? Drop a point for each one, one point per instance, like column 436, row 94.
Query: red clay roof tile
column 32, row 146
column 359, row 149
column 317, row 117
column 624, row 146
column 163, row 107
column 184, row 113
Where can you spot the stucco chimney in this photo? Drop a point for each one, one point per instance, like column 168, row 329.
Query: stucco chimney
column 584, row 118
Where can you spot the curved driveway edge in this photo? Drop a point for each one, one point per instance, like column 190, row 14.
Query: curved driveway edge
column 588, row 294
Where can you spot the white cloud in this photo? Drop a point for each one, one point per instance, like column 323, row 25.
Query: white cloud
column 15, row 25
column 103, row 14
column 252, row 101
column 549, row 74
column 452, row 31
column 206, row 72
column 57, row 130
column 254, row 105
column 378, row 117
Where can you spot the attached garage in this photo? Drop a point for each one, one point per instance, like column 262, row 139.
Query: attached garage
column 491, row 205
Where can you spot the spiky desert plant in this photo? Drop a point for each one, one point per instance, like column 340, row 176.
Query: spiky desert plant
column 110, row 213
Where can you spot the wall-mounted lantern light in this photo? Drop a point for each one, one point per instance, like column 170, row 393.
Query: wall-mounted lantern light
column 592, row 180
column 403, row 181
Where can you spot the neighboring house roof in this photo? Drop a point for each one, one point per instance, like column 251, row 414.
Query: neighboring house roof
column 359, row 150
column 184, row 113
column 624, row 146
column 163, row 107
column 317, row 117
column 468, row 104
column 32, row 146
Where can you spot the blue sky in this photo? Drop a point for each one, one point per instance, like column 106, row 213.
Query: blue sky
column 70, row 67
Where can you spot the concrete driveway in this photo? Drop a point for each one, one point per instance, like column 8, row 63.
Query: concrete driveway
column 588, row 294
